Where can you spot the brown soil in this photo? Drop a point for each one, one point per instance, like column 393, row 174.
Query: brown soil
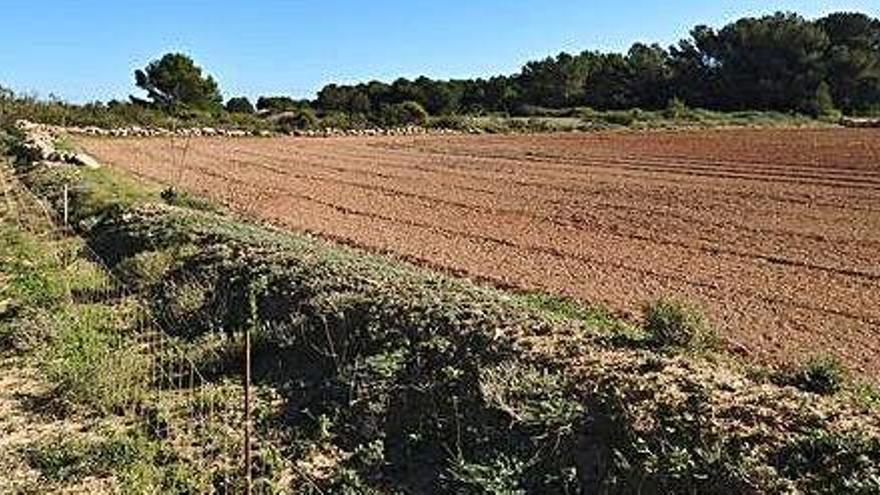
column 775, row 232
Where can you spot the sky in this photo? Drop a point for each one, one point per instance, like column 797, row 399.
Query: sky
column 84, row 50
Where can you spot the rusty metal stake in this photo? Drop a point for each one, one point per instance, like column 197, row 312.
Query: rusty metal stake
column 66, row 207
column 247, row 393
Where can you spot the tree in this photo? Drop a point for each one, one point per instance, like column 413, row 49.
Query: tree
column 240, row 104
column 774, row 62
column 650, row 75
column 556, row 82
column 853, row 60
column 175, row 80
column 694, row 73
column 277, row 104
column 608, row 86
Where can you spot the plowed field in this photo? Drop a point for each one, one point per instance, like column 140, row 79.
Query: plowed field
column 775, row 232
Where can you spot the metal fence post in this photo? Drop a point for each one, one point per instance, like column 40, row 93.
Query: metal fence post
column 252, row 309
column 66, row 207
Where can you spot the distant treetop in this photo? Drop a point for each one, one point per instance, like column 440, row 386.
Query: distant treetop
column 175, row 80
column 240, row 104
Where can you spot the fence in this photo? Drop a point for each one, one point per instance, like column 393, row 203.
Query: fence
column 194, row 399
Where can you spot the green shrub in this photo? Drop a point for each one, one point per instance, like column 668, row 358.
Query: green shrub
column 828, row 462
column 822, row 104
column 297, row 120
column 624, row 118
column 671, row 323
column 240, row 104
column 403, row 114
column 822, row 375
column 454, row 122
column 676, row 109
column 343, row 120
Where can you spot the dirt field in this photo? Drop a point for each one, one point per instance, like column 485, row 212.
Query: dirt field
column 775, row 232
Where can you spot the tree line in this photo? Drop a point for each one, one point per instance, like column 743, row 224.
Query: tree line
column 780, row 62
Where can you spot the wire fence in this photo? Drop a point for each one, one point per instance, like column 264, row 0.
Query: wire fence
column 194, row 399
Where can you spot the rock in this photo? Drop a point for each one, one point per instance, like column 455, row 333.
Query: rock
column 85, row 160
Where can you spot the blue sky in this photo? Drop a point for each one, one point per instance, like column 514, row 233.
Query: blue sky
column 87, row 49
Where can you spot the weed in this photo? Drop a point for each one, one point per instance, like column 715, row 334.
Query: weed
column 64, row 144
column 823, row 374
column 139, row 465
column 32, row 274
column 90, row 364
column 184, row 199
column 500, row 476
column 833, row 463
column 565, row 308
column 868, row 395
column 60, row 461
column 671, row 323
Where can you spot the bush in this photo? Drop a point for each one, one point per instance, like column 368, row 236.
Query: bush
column 671, row 323
column 342, row 120
column 822, row 375
column 454, row 122
column 619, row 117
column 833, row 462
column 822, row 104
column 676, row 110
column 402, row 114
column 240, row 105
column 296, row 121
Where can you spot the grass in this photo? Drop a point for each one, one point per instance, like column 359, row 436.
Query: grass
column 32, row 273
column 565, row 308
column 79, row 329
column 65, row 145
column 184, row 199
column 91, row 364
column 138, row 465
column 79, row 345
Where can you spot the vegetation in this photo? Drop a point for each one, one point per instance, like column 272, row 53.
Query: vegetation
column 240, row 104
column 77, row 333
column 671, row 323
column 175, row 80
column 820, row 374
column 396, row 379
column 781, row 63
column 57, row 317
column 296, row 120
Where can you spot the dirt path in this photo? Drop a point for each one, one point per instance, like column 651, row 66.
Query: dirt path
column 775, row 232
